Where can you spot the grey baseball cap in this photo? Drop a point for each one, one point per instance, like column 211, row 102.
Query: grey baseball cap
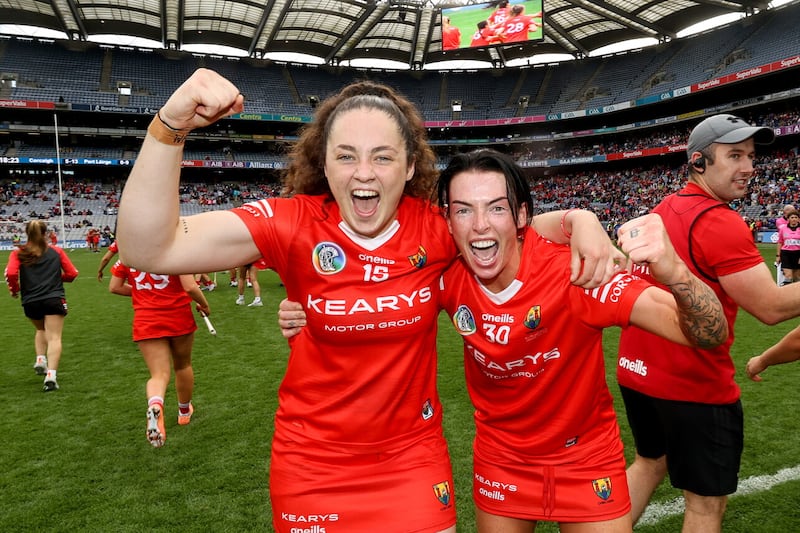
column 726, row 129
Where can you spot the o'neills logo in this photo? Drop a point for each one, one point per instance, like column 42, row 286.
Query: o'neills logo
column 637, row 367
column 493, row 490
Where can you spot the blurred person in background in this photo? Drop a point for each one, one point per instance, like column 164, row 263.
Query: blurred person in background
column 205, row 282
column 113, row 250
column 163, row 329
column 37, row 270
column 788, row 252
column 451, row 35
column 248, row 277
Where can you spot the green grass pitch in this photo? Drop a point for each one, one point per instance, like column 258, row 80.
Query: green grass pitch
column 77, row 459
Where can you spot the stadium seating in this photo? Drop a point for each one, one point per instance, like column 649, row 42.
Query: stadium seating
column 89, row 73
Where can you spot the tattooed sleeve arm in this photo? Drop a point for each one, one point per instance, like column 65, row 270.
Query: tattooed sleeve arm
column 690, row 313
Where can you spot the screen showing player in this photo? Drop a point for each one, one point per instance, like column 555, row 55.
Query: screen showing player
column 492, row 24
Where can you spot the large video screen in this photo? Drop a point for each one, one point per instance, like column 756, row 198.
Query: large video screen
column 492, row 24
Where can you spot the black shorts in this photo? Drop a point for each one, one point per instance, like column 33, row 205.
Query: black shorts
column 41, row 308
column 790, row 259
column 702, row 442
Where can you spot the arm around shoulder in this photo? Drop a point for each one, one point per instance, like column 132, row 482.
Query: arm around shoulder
column 694, row 313
column 595, row 259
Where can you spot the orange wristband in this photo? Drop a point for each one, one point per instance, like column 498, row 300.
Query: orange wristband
column 566, row 233
column 164, row 133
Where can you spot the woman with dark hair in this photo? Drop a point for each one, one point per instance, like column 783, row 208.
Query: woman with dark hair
column 37, row 270
column 547, row 444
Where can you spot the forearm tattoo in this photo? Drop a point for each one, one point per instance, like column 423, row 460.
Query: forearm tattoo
column 701, row 316
column 185, row 225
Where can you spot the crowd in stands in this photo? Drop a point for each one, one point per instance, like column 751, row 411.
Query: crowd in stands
column 562, row 148
column 44, row 69
column 227, row 193
column 94, row 205
column 615, row 195
column 638, row 140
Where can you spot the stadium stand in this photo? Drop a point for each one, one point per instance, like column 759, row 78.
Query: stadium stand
column 46, row 72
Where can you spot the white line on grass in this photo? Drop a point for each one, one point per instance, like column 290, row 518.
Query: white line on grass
column 655, row 512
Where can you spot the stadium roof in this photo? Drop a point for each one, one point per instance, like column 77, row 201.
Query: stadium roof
column 339, row 31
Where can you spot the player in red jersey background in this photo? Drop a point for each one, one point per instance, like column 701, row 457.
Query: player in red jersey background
column 451, row 35
column 499, row 15
column 518, row 25
column 113, row 250
column 163, row 329
column 484, row 35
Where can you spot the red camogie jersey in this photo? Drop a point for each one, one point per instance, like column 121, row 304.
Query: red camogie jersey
column 516, row 29
column 483, row 37
column 114, row 249
column 713, row 240
column 362, row 373
column 499, row 16
column 451, row 39
column 161, row 306
column 533, row 357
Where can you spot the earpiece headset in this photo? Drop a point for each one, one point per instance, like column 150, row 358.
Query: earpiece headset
column 699, row 163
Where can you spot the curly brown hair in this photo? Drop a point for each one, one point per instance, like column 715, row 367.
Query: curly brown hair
column 306, row 171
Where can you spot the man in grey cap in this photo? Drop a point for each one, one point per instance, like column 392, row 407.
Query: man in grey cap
column 682, row 403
